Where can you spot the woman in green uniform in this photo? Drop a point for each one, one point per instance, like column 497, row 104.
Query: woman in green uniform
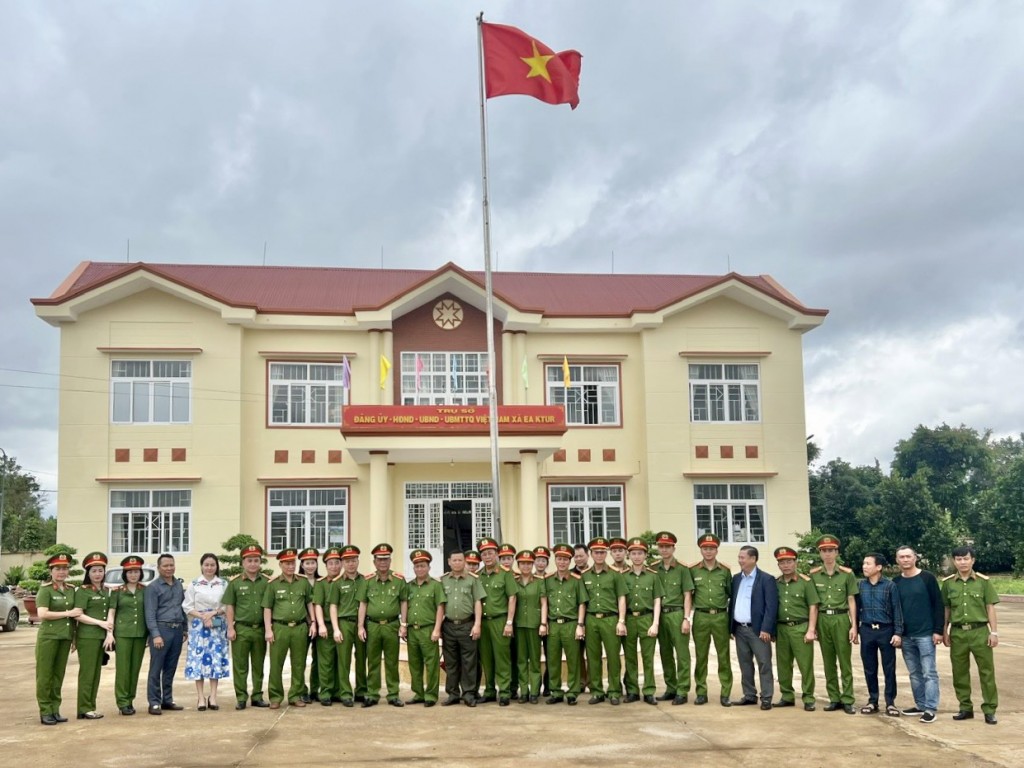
column 309, row 569
column 94, row 634
column 56, row 608
column 130, row 633
column 531, row 621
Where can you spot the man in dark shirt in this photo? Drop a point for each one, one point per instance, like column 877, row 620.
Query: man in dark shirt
column 881, row 632
column 166, row 624
column 921, row 601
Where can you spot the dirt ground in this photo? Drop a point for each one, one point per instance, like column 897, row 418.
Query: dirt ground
column 632, row 734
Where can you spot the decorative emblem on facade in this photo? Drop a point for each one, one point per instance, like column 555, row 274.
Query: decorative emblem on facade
column 448, row 314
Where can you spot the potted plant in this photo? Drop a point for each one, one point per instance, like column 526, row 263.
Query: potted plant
column 38, row 573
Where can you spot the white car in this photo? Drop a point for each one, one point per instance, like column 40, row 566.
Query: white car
column 8, row 610
column 113, row 577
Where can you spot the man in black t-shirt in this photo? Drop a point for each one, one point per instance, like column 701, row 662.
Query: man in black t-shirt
column 921, row 601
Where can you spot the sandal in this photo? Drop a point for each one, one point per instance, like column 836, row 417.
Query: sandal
column 869, row 709
column 892, row 711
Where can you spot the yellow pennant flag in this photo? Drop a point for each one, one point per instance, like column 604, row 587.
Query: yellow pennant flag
column 565, row 371
column 385, row 366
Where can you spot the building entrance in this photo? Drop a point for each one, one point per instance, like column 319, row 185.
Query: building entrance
column 442, row 517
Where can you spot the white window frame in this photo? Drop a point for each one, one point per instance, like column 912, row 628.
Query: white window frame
column 308, row 401
column 148, row 393
column 588, row 510
column 447, row 378
column 725, row 396
column 301, row 526
column 729, row 511
column 154, row 521
column 593, row 401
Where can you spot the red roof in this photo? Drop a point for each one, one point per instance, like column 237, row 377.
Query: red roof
column 343, row 290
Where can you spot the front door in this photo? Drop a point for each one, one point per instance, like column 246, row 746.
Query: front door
column 440, row 524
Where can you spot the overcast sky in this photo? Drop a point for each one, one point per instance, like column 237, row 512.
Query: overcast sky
column 868, row 155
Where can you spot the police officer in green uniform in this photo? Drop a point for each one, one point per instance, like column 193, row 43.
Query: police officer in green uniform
column 463, row 620
column 243, row 605
column 343, row 602
column 674, row 630
column 499, row 619
column 567, row 608
column 531, row 620
column 426, row 614
column 94, row 633
column 797, row 618
column 308, row 568
column 55, row 604
column 644, row 594
column 383, row 607
column 127, row 602
column 837, row 623
column 287, row 617
column 541, row 559
column 606, row 623
column 507, row 559
column 971, row 630
column 326, row 681
column 712, row 589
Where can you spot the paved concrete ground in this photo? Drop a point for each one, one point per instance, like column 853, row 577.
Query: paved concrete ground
column 584, row 735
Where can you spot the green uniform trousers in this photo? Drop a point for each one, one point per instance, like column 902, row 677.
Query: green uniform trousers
column 708, row 626
column 51, row 664
column 382, row 640
column 127, row 664
column 601, row 633
column 291, row 642
column 496, row 657
column 90, row 661
column 962, row 645
column 636, row 632
column 249, row 649
column 834, row 636
column 528, row 657
column 350, row 642
column 424, row 662
column 562, row 638
column 790, row 647
column 674, row 648
column 326, row 685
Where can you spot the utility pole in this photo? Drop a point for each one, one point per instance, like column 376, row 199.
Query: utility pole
column 3, row 498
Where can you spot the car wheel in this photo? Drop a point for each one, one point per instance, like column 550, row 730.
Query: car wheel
column 12, row 620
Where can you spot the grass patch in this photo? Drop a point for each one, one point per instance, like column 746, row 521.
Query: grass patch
column 1007, row 585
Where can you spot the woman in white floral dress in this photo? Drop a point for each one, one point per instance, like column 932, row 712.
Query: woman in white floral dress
column 207, row 657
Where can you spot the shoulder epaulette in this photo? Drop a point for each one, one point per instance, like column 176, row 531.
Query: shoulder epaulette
column 650, row 570
column 575, row 575
column 273, row 579
column 541, row 576
column 947, row 578
column 816, row 570
column 694, row 565
column 726, row 567
column 322, row 578
column 844, row 569
column 505, row 569
column 397, row 575
column 370, row 575
column 981, row 576
column 588, row 569
column 235, row 577
column 805, row 577
column 474, row 574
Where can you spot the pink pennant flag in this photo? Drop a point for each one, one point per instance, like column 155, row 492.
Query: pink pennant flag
column 346, row 373
column 419, row 370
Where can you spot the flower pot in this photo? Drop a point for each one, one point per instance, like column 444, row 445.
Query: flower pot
column 30, row 608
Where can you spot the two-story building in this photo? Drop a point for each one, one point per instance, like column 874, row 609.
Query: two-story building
column 318, row 406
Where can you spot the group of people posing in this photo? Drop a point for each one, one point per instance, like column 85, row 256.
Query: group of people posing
column 506, row 623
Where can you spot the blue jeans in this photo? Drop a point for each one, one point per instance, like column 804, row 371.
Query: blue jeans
column 919, row 656
column 163, row 663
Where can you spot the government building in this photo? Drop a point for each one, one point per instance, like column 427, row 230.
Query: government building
column 322, row 406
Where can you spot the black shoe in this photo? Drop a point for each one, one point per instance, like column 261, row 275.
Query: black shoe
column 595, row 699
column 650, row 700
column 744, row 702
column 58, row 718
column 470, row 700
column 416, row 700
column 126, row 711
column 346, row 702
column 571, row 701
column 927, row 718
column 260, row 703
column 369, row 703
column 429, row 704
column 201, row 705
column 964, row 714
column 525, row 698
column 632, row 698
column 450, row 701
column 306, row 698
column 90, row 716
column 724, row 701
column 667, row 696
column 555, row 700
column 488, row 698
column 359, row 699
column 534, row 699
column 503, row 702
column 783, row 703
column 991, row 719
column 810, row 707
column 832, row 706
column 154, row 709
column 47, row 719
column 325, row 702
column 848, row 709
column 396, row 702
column 912, row 712
column 766, row 704
column 239, row 705
column 614, row 701
column 172, row 707
column 701, row 699
column 680, row 698
column 336, row 699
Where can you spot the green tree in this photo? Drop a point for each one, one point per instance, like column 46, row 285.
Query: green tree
column 39, row 572
column 1000, row 536
column 837, row 492
column 24, row 527
column 230, row 562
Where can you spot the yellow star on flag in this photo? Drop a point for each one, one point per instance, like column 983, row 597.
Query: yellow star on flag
column 538, row 63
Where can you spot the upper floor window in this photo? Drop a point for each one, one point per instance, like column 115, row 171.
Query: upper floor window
column 306, row 394
column 592, row 397
column 444, row 378
column 581, row 512
column 307, row 517
column 734, row 512
column 725, row 392
column 150, row 521
column 150, row 391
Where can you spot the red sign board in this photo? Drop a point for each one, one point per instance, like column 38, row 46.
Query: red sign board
column 451, row 419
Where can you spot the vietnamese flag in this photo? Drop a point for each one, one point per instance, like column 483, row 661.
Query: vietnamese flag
column 515, row 63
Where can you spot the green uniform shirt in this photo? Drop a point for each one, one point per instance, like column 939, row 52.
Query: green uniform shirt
column 288, row 601
column 499, row 586
column 642, row 589
column 528, row 603
column 56, row 600
column 967, row 599
column 605, row 589
column 711, row 588
column 565, row 596
column 344, row 592
column 462, row 593
column 796, row 598
column 129, row 615
column 834, row 590
column 95, row 603
column 321, row 590
column 423, row 601
column 383, row 598
column 675, row 580
column 246, row 595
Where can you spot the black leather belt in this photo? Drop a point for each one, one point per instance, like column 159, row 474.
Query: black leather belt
column 744, row 624
column 602, row 615
column 421, row 626
column 171, row 624
column 640, row 613
column 874, row 625
column 290, row 623
column 671, row 608
column 796, row 623
column 251, row 625
column 712, row 611
column 565, row 621
column 458, row 622
column 969, row 625
column 835, row 611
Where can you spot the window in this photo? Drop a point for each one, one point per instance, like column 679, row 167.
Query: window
column 313, row 517
column 444, row 378
column 150, row 391
column 306, row 394
column 725, row 392
column 733, row 512
column 581, row 512
column 592, row 397
column 150, row 522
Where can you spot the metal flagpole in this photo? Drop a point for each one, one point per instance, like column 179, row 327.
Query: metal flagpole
column 492, row 396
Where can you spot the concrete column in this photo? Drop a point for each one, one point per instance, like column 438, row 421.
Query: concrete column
column 378, row 523
column 531, row 525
